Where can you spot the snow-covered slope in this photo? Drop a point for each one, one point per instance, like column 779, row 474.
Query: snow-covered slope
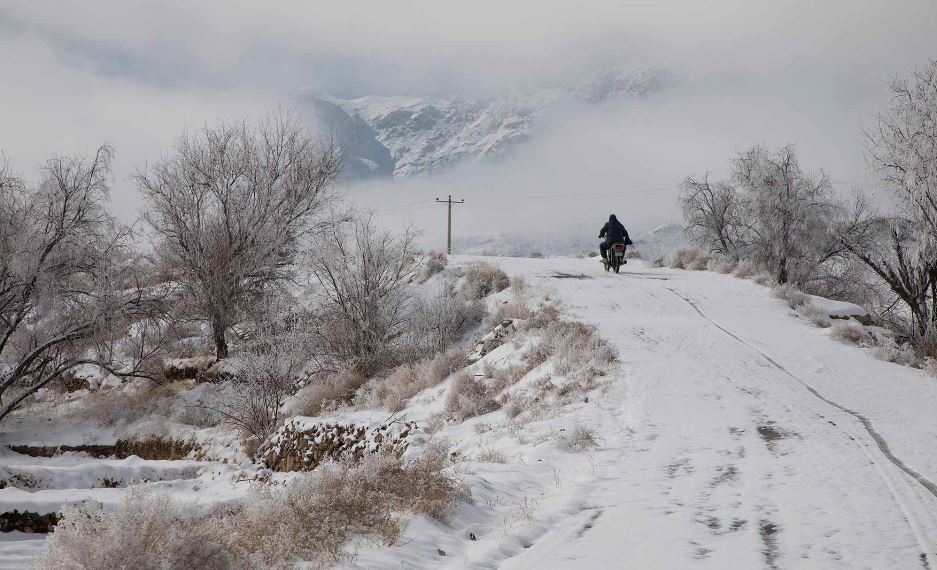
column 662, row 241
column 739, row 437
column 426, row 134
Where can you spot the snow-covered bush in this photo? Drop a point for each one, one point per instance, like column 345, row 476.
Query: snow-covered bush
column 145, row 532
column 814, row 314
column 468, row 397
column 721, row 263
column 308, row 520
column 579, row 438
column 745, row 269
column 632, row 253
column 930, row 366
column 315, row 515
column 433, row 262
column 432, row 325
column 691, row 259
column 572, row 346
column 362, row 295
column 482, row 279
column 325, row 391
column 407, row 380
column 488, row 455
column 790, row 294
column 851, row 333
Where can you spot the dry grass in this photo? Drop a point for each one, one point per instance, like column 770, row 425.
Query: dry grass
column 633, row 254
column 745, row 269
column 469, row 397
column 721, row 264
column 691, row 259
column 790, row 294
column 852, row 334
column 434, row 262
column 483, row 279
column 408, row 380
column 310, row 520
column 930, row 366
column 325, row 393
column 579, row 438
column 491, row 456
column 573, row 346
column 815, row 315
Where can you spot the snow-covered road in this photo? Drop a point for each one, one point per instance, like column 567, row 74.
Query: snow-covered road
column 743, row 437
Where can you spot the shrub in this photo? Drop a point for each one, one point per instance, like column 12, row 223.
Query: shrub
column 146, row 532
column 408, row 380
column 745, row 269
column 432, row 325
column 434, row 262
column 579, row 438
column 573, row 345
column 491, row 456
column 659, row 262
column 692, row 259
column 632, row 254
column 483, row 279
column 814, row 314
column 469, row 397
column 322, row 393
column 536, row 255
column 850, row 333
column 721, row 264
column 793, row 296
column 310, row 519
column 930, row 366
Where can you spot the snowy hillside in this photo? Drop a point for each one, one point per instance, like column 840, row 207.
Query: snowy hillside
column 425, row 134
column 654, row 419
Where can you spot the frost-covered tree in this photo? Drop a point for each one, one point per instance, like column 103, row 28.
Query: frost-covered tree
column 902, row 149
column 770, row 211
column 362, row 274
column 69, row 293
column 714, row 215
column 228, row 210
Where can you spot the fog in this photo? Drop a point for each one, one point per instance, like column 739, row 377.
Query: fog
column 137, row 74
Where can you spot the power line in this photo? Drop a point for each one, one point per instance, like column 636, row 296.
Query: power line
column 449, row 202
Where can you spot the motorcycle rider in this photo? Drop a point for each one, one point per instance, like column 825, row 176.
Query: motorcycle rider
column 613, row 232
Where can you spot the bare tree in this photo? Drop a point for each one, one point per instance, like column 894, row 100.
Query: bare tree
column 264, row 372
column 69, row 293
column 714, row 215
column 902, row 148
column 771, row 212
column 362, row 272
column 229, row 208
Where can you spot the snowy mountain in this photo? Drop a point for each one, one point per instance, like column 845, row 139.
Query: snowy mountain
column 406, row 136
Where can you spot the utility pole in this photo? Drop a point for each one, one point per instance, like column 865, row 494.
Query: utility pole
column 450, row 202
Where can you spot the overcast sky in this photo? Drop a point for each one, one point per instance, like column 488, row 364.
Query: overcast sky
column 137, row 73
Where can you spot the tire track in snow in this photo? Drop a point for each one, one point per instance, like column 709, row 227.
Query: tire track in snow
column 928, row 551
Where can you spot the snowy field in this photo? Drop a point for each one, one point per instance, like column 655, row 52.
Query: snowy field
column 736, row 435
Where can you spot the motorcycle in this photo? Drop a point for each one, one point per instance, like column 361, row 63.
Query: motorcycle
column 615, row 257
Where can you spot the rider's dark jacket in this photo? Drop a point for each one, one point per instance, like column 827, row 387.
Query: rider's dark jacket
column 614, row 232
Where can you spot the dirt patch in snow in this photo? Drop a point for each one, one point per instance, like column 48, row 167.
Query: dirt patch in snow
column 28, row 522
column 150, row 448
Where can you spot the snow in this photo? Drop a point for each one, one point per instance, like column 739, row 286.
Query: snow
column 736, row 435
